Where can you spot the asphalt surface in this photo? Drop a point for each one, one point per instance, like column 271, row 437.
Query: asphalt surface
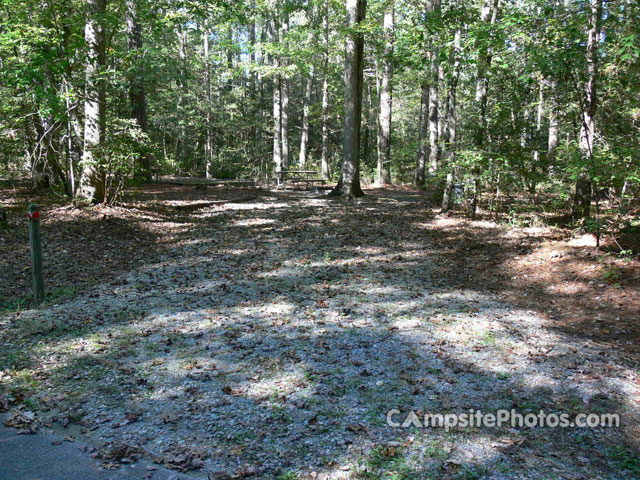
column 39, row 457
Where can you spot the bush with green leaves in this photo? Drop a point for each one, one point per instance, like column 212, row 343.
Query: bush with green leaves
column 124, row 146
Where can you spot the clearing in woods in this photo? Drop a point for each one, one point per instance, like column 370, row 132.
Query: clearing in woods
column 269, row 338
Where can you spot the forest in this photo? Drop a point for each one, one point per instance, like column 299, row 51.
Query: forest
column 502, row 98
column 320, row 239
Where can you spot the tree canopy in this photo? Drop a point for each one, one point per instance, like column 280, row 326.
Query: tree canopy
column 497, row 95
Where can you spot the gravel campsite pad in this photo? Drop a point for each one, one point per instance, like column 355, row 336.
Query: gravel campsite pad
column 269, row 338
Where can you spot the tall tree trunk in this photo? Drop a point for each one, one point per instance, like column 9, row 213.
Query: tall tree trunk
column 325, row 128
column 277, row 106
column 528, row 181
column 74, row 137
column 308, row 92
column 371, row 126
column 208, row 143
column 230, row 50
column 91, row 187
column 489, row 15
column 379, row 140
column 386, row 101
column 434, row 143
column 304, row 138
column 424, row 135
column 74, row 125
column 452, row 104
column 252, row 51
column 284, row 105
column 265, row 59
column 277, row 124
column 284, row 113
column 452, row 122
column 539, row 117
column 325, row 96
column 253, row 86
column 582, row 198
column 137, row 94
column 537, row 166
column 443, row 101
column 372, row 122
column 349, row 184
column 421, row 158
column 182, row 96
column 552, row 141
column 367, row 124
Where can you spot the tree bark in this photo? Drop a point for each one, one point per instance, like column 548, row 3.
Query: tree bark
column 277, row 108
column 552, row 140
column 531, row 181
column 378, row 130
column 325, row 129
column 452, row 122
column 489, row 15
column 443, row 100
column 304, row 137
column 74, row 138
column 386, row 101
column 366, row 127
column 230, row 49
column 208, row 143
column 284, row 106
column 371, row 126
column 325, row 96
column 349, row 184
column 91, row 188
column 308, row 92
column 182, row 96
column 582, row 198
column 260, row 105
column 252, row 51
column 539, row 117
column 421, row 159
column 253, row 84
column 434, row 143
column 137, row 94
column 277, row 125
column 74, row 126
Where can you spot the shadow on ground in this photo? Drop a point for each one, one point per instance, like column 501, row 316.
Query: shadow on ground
column 271, row 339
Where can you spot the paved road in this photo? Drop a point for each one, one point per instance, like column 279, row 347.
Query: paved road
column 34, row 457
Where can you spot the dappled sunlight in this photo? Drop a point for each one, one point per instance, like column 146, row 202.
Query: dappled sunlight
column 252, row 222
column 238, row 238
column 586, row 240
column 271, row 207
column 276, row 331
column 568, row 288
column 279, row 385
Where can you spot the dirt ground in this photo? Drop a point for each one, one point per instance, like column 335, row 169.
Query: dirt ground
column 270, row 335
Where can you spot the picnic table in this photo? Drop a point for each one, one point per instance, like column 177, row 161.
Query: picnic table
column 308, row 177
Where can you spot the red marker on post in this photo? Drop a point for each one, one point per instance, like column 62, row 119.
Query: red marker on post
column 36, row 252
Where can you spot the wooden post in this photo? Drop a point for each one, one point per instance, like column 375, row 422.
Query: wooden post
column 36, row 253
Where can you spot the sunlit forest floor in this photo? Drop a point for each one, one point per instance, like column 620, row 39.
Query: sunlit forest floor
column 269, row 337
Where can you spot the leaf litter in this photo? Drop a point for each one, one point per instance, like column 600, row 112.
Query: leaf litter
column 260, row 338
